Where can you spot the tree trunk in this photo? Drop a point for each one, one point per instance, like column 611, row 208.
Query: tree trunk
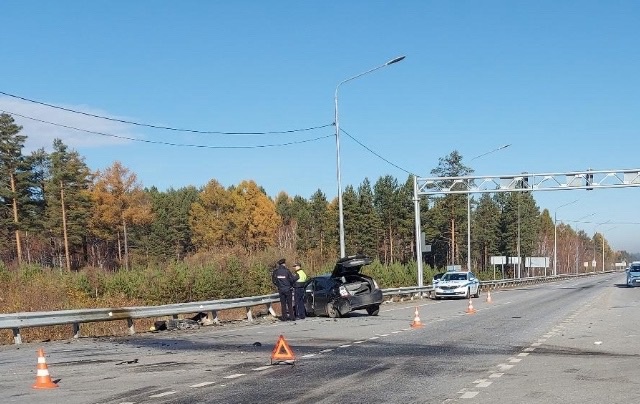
column 126, row 244
column 390, row 245
column 15, row 218
column 64, row 228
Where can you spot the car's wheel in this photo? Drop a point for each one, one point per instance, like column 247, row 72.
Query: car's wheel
column 477, row 294
column 344, row 308
column 332, row 310
column 468, row 294
column 373, row 310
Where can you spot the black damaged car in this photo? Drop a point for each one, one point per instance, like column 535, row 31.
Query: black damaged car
column 344, row 290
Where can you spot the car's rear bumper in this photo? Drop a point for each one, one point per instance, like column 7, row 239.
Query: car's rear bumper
column 362, row 301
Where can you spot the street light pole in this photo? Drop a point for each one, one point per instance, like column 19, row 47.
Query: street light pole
column 337, row 124
column 469, row 206
column 555, row 236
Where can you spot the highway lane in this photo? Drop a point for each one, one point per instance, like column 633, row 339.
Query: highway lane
column 356, row 359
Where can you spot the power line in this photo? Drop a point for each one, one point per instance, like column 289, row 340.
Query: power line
column 376, row 154
column 147, row 125
column 166, row 143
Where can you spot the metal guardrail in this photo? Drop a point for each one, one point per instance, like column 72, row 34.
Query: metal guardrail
column 16, row 321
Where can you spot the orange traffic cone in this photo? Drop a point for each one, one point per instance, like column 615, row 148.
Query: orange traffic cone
column 43, row 379
column 416, row 321
column 470, row 309
column 489, row 297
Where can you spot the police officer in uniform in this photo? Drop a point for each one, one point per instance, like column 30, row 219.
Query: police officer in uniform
column 298, row 291
column 283, row 279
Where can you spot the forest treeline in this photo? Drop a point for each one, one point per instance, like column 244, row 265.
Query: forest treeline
column 58, row 213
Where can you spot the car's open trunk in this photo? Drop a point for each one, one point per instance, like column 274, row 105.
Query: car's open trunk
column 357, row 284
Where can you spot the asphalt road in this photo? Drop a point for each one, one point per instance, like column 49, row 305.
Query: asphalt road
column 572, row 341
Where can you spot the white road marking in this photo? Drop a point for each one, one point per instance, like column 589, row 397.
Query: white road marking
column 261, row 368
column 529, row 349
column 202, row 384
column 234, row 376
column 358, row 342
column 523, row 354
column 536, row 344
column 311, row 355
column 503, row 366
column 374, row 337
column 326, row 350
column 514, row 360
column 166, row 393
column 345, row 346
column 469, row 394
column 384, row 335
column 484, row 384
column 495, row 375
column 396, row 332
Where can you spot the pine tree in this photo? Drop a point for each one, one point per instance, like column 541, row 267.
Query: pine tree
column 68, row 203
column 14, row 173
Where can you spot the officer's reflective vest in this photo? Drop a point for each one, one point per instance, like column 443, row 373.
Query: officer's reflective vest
column 302, row 278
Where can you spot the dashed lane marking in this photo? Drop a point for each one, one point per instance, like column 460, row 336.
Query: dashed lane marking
column 358, row 342
column 326, row 350
column 166, row 393
column 495, row 375
column 261, row 368
column 523, row 354
column 202, row 384
column 374, row 337
column 311, row 355
column 345, row 346
column 470, row 394
column 234, row 376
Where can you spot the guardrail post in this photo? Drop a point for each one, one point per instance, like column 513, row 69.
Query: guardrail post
column 76, row 330
column 271, row 310
column 17, row 338
column 213, row 316
column 249, row 314
column 132, row 330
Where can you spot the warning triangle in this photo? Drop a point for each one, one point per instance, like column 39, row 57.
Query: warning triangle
column 282, row 351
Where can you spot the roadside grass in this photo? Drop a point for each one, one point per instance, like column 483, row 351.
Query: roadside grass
column 33, row 288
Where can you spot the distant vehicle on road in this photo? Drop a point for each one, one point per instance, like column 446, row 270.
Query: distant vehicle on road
column 633, row 274
column 344, row 290
column 457, row 284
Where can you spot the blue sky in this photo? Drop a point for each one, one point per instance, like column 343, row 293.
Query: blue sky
column 558, row 80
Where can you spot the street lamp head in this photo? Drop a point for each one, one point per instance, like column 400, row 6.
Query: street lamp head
column 396, row 60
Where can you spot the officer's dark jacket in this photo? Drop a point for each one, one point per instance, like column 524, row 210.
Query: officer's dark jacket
column 283, row 278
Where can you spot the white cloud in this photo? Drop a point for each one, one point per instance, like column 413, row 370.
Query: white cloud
column 40, row 134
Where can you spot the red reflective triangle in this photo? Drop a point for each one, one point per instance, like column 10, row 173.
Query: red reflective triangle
column 282, row 351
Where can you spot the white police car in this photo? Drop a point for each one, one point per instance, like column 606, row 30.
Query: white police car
column 457, row 284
